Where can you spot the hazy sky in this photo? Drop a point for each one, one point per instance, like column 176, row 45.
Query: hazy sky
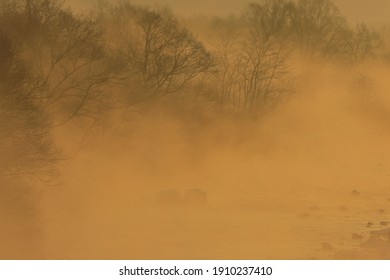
column 370, row 11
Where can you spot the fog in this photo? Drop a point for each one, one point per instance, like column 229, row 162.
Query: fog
column 269, row 149
column 372, row 12
column 276, row 188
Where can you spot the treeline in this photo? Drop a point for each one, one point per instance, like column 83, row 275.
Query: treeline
column 58, row 66
column 255, row 53
column 315, row 27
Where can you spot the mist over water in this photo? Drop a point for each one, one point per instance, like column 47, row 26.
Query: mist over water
column 373, row 12
column 277, row 187
column 296, row 169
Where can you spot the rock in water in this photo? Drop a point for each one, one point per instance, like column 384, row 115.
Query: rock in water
column 343, row 208
column 195, row 197
column 355, row 193
column 384, row 223
column 326, row 246
column 168, row 198
column 369, row 224
column 381, row 232
column 357, row 236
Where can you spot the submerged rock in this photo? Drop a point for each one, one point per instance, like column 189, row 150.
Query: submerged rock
column 384, row 233
column 343, row 208
column 369, row 224
column 375, row 243
column 357, row 236
column 195, row 197
column 172, row 198
column 326, row 246
column 168, row 198
column 384, row 223
column 303, row 215
column 355, row 193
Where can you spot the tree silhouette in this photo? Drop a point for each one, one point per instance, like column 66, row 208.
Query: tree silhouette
column 361, row 42
column 318, row 27
column 65, row 54
column 25, row 143
column 270, row 18
column 160, row 54
column 251, row 66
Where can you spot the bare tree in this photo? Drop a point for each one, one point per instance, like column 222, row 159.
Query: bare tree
column 66, row 55
column 270, row 18
column 25, row 143
column 228, row 43
column 361, row 42
column 251, row 72
column 318, row 26
column 261, row 70
column 159, row 53
column 364, row 93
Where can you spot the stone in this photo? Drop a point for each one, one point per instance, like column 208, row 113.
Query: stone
column 356, row 236
column 355, row 193
column 303, row 215
column 168, row 198
column 326, row 246
column 343, row 208
column 195, row 197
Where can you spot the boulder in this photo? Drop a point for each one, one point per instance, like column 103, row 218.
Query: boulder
column 168, row 198
column 195, row 197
